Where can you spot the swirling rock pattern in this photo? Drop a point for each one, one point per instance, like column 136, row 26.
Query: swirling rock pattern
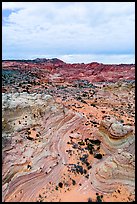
column 37, row 161
column 116, row 135
column 116, row 169
column 119, row 167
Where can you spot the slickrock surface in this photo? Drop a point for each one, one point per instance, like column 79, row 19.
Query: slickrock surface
column 68, row 132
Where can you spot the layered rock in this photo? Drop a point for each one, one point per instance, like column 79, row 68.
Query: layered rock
column 93, row 72
column 116, row 135
column 29, row 163
column 118, row 141
column 113, row 171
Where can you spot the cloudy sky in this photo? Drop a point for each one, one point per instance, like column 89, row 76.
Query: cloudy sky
column 72, row 31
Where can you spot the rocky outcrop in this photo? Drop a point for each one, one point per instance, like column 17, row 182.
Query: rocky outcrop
column 113, row 171
column 116, row 135
column 118, row 141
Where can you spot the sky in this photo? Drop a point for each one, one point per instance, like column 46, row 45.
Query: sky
column 71, row 31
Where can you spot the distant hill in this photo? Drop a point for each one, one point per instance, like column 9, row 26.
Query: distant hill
column 39, row 60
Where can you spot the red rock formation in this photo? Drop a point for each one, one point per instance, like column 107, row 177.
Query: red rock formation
column 94, row 72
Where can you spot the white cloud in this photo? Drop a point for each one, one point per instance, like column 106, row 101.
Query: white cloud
column 15, row 5
column 87, row 58
column 106, row 59
column 68, row 28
